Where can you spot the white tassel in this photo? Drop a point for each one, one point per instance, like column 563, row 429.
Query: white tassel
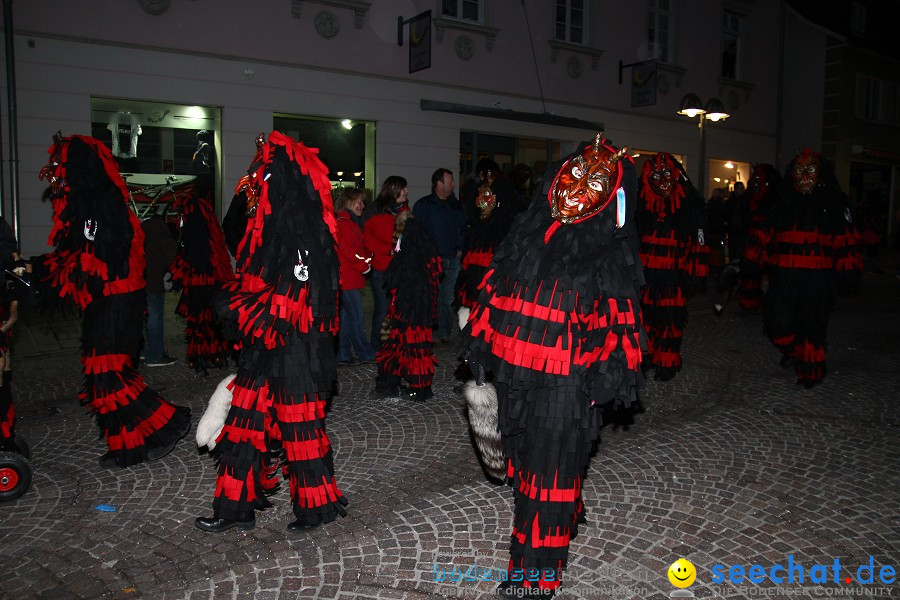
column 213, row 419
column 483, row 417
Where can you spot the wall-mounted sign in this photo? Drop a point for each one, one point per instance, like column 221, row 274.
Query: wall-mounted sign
column 420, row 42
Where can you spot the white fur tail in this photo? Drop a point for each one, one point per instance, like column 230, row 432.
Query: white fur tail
column 463, row 315
column 483, row 417
column 213, row 419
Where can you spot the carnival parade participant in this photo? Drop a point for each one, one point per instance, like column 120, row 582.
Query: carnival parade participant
column 201, row 267
column 813, row 251
column 412, row 283
column 671, row 221
column 283, row 308
column 493, row 201
column 763, row 188
column 98, row 267
column 557, row 322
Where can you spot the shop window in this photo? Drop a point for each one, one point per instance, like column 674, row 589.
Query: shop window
column 156, row 143
column 346, row 146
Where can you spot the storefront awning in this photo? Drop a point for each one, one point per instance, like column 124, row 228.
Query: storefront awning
column 512, row 115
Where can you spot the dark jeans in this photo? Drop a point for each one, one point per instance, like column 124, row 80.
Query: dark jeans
column 379, row 310
column 447, row 322
column 352, row 331
column 155, row 346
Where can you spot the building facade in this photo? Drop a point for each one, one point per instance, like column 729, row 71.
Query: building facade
column 521, row 82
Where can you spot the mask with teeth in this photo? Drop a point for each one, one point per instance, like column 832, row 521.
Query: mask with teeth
column 663, row 175
column 805, row 171
column 586, row 183
column 55, row 172
column 486, row 200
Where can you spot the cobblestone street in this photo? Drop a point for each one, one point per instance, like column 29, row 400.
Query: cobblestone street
column 731, row 464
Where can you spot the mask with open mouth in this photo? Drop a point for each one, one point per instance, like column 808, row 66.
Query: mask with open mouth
column 586, row 183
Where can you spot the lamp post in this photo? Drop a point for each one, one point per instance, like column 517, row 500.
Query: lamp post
column 714, row 110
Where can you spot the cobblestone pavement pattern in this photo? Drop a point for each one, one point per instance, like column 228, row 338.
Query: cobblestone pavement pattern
column 731, row 463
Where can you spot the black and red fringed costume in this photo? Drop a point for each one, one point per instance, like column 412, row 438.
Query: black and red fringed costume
column 98, row 266
column 283, row 308
column 411, row 281
column 557, row 321
column 671, row 219
column 200, row 268
column 494, row 220
column 812, row 250
column 763, row 186
column 7, row 407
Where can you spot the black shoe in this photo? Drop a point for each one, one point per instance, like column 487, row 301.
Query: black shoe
column 350, row 362
column 108, row 461
column 385, row 393
column 786, row 362
column 300, row 526
column 160, row 451
column 163, row 361
column 417, row 394
column 215, row 525
column 664, row 373
column 368, row 361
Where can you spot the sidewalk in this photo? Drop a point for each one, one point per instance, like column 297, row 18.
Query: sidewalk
column 731, row 464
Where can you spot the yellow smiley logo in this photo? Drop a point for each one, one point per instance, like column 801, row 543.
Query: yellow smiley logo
column 682, row 573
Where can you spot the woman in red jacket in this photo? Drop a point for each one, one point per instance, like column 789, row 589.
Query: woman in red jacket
column 378, row 234
column 355, row 261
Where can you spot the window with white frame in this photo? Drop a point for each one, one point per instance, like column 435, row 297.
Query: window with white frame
column 732, row 45
column 571, row 21
column 858, row 18
column 661, row 30
column 875, row 99
column 467, row 10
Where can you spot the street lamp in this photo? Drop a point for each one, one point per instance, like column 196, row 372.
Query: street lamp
column 714, row 110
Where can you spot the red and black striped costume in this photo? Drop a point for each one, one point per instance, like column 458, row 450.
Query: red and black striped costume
column 764, row 184
column 7, row 408
column 283, row 308
column 412, row 281
column 674, row 257
column 557, row 321
column 98, row 266
column 483, row 235
column 200, row 268
column 812, row 250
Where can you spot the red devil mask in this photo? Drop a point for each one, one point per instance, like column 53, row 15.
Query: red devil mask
column 805, row 171
column 759, row 181
column 486, row 200
column 662, row 174
column 249, row 184
column 586, row 183
column 55, row 171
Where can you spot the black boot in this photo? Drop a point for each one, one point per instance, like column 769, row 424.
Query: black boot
column 387, row 385
column 417, row 394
